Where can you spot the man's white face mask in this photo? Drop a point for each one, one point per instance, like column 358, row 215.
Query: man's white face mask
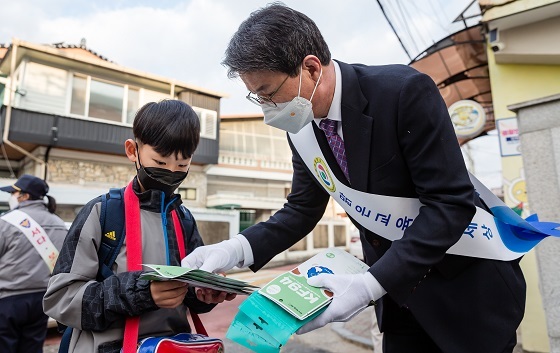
column 291, row 116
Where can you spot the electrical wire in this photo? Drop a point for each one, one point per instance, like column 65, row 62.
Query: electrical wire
column 440, row 20
column 426, row 43
column 419, row 9
column 406, row 25
column 445, row 16
column 393, row 28
column 400, row 24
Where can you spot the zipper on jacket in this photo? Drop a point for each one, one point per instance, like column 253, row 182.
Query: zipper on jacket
column 164, row 208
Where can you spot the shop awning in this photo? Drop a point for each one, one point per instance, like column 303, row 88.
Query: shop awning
column 458, row 64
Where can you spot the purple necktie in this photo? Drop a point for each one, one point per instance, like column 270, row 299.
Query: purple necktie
column 336, row 143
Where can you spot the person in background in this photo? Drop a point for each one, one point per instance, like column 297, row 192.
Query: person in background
column 31, row 234
column 380, row 133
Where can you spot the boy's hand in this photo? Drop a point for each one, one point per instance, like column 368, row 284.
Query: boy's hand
column 212, row 296
column 168, row 294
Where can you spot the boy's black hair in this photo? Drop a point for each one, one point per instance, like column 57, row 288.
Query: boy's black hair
column 168, row 126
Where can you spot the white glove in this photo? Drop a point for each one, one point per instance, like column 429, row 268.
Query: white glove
column 216, row 257
column 352, row 294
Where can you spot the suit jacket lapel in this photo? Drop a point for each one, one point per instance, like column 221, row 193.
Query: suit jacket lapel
column 357, row 128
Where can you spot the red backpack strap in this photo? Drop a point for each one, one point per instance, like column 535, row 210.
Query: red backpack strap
column 133, row 233
column 199, row 327
column 179, row 234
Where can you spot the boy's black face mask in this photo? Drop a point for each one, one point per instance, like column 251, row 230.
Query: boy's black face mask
column 153, row 178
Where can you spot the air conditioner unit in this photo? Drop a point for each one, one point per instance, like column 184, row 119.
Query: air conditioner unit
column 208, row 122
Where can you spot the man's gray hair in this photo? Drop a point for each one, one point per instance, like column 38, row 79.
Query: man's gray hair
column 274, row 38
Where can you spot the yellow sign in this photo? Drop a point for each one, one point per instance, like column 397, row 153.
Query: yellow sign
column 468, row 118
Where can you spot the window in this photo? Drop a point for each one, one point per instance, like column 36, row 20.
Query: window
column 133, row 104
column 254, row 140
column 493, row 35
column 263, row 147
column 106, row 100
column 2, row 86
column 5, row 172
column 227, row 141
column 320, row 236
column 339, row 235
column 208, row 122
column 79, row 91
column 246, row 219
column 188, row 193
column 153, row 96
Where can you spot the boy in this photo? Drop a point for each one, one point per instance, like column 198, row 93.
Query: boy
column 166, row 135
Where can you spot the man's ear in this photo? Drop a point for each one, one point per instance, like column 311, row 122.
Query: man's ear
column 130, row 149
column 312, row 64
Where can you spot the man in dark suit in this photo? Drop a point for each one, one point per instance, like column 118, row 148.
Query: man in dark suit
column 383, row 130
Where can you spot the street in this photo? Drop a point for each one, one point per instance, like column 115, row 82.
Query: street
column 216, row 322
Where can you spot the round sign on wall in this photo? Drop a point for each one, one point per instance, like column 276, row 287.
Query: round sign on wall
column 468, row 118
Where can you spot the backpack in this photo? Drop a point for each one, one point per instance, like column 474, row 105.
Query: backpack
column 112, row 230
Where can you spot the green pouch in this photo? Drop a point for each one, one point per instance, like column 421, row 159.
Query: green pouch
column 261, row 324
column 271, row 317
column 244, row 331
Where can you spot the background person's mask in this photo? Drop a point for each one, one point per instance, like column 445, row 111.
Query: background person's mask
column 291, row 116
column 13, row 202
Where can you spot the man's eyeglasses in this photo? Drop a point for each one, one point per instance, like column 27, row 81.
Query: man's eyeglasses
column 259, row 100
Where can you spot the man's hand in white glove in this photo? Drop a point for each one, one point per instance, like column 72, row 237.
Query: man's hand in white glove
column 216, row 257
column 352, row 294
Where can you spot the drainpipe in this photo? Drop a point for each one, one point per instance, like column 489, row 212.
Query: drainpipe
column 9, row 113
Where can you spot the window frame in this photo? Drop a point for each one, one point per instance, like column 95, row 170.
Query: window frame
column 185, row 190
column 126, row 87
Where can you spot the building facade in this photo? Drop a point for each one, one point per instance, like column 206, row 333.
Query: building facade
column 253, row 176
column 509, row 65
column 524, row 64
column 66, row 112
